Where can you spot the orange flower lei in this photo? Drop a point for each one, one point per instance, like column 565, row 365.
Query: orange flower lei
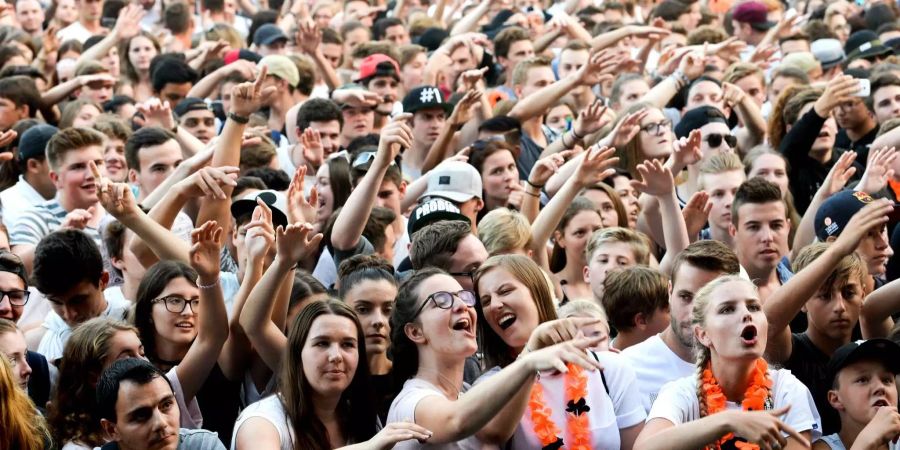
column 755, row 398
column 577, row 423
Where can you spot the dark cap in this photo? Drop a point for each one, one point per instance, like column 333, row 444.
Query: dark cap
column 754, row 13
column 190, row 104
column 883, row 350
column 431, row 211
column 697, row 117
column 33, row 142
column 234, row 55
column 268, row 34
column 432, row 38
column 378, row 65
column 865, row 44
column 834, row 214
column 273, row 199
column 424, row 97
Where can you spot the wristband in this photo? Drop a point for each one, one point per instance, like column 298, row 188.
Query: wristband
column 680, row 78
column 575, row 135
column 239, row 119
column 536, row 186
column 207, row 286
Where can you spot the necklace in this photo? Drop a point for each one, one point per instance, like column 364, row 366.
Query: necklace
column 577, row 423
column 756, row 398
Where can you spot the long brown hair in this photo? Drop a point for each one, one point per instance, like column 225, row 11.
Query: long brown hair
column 523, row 269
column 23, row 427
column 356, row 410
column 558, row 259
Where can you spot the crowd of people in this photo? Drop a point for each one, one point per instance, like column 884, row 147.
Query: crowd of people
column 449, row 224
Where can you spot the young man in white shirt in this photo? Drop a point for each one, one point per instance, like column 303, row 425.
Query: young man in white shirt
column 672, row 350
column 34, row 186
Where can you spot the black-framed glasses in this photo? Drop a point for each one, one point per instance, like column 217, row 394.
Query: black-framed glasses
column 469, row 275
column 176, row 304
column 657, row 128
column 715, row 139
column 17, row 297
column 444, row 300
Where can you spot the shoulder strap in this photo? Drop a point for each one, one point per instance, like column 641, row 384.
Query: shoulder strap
column 602, row 374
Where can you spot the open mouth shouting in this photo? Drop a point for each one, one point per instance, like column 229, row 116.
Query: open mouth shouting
column 466, row 325
column 749, row 336
column 506, row 320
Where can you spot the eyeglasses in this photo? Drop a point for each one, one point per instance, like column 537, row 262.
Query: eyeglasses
column 444, row 300
column 469, row 275
column 176, row 304
column 657, row 128
column 16, row 297
column 715, row 139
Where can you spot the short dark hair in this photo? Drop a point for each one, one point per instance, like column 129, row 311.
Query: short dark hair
column 318, row 110
column 21, row 90
column 505, row 39
column 757, row 191
column 145, row 137
column 165, row 69
column 274, row 179
column 69, row 139
column 878, row 82
column 178, row 17
column 114, row 242
column 10, row 262
column 112, row 105
column 135, row 370
column 65, row 258
column 434, row 245
column 245, row 183
column 709, row 255
column 631, row 291
column 382, row 25
column 213, row 5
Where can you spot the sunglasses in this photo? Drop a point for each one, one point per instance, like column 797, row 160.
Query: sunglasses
column 444, row 300
column 364, row 159
column 715, row 139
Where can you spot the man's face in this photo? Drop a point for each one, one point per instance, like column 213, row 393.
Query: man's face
column 794, row 46
column 518, row 51
column 10, row 113
column 427, row 124
column 358, row 121
column 89, row 10
column 200, row 123
column 864, row 387
column 411, row 73
column 354, row 38
column 114, row 160
column 397, row 35
column 852, row 114
column 13, row 348
column 462, row 60
column 10, row 282
column 632, row 92
column 390, row 195
column 330, row 133
column 332, row 53
column 470, row 254
column 886, row 103
column 30, row 15
column 721, row 188
column 839, row 26
column 760, row 237
column 691, row 19
column 714, row 139
column 276, row 48
column 834, row 310
column 147, row 416
column 536, row 79
column 572, row 60
column 74, row 178
column 360, row 11
column 875, row 250
column 174, row 92
column 387, row 90
column 81, row 303
column 156, row 163
column 688, row 280
column 753, row 86
column 98, row 91
column 705, row 93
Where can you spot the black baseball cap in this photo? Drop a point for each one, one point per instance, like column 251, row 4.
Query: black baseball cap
column 865, row 44
column 431, row 211
column 836, row 212
column 883, row 350
column 268, row 34
column 697, row 117
column 190, row 104
column 424, row 97
column 33, row 142
column 275, row 200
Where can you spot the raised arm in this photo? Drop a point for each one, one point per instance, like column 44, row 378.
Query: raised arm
column 309, row 38
column 462, row 114
column 128, row 24
column 610, row 38
column 689, row 69
column 754, row 131
column 787, row 301
column 837, row 178
column 597, row 68
column 877, row 310
column 469, row 22
column 351, row 221
column 59, row 92
column 658, row 181
column 206, row 86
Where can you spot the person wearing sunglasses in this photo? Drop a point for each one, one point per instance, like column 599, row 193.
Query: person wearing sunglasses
column 715, row 138
column 432, row 333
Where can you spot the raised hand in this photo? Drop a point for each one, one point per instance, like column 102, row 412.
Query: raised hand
column 686, row 151
column 208, row 182
column 628, row 128
column 7, row 137
column 692, row 65
column 598, row 67
column 557, row 356
column 545, row 167
column 558, row 331
column 294, row 243
column 882, row 430
column 116, row 198
column 309, row 36
column 462, row 112
column 868, row 219
column 840, row 89
column 395, row 136
column 299, row 210
column 128, row 24
column 396, row 432
column 247, row 98
column 49, row 41
column 840, row 174
column 656, row 179
column 516, row 196
column 696, row 213
column 730, row 49
column 763, row 427
column 311, row 143
column 260, row 234
column 597, row 165
column 470, row 79
column 591, row 119
column 204, row 254
column 878, row 170
column 732, row 94
column 156, row 114
column 355, row 97
column 78, row 218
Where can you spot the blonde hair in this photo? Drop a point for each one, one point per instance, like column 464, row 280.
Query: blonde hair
column 586, row 307
column 637, row 242
column 520, row 73
column 719, row 163
column 503, row 230
column 849, row 266
column 742, row 70
column 23, row 426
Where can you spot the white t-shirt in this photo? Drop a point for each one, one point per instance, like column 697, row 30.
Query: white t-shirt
column 16, row 200
column 678, row 402
column 653, row 372
column 403, row 408
column 834, row 443
column 75, row 31
column 58, row 331
column 610, row 412
column 270, row 409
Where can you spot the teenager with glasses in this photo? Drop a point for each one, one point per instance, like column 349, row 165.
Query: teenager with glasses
column 641, row 132
column 433, row 332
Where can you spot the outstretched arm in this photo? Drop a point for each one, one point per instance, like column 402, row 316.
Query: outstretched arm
column 658, row 181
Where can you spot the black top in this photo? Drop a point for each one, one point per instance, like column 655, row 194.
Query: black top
column 861, row 147
column 219, row 400
column 39, row 382
column 385, row 391
column 808, row 364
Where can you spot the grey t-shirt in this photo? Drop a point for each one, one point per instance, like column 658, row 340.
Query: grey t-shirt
column 187, row 440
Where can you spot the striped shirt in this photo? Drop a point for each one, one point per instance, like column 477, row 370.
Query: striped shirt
column 40, row 221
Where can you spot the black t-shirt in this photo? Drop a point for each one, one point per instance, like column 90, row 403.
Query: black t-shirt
column 219, row 400
column 385, row 391
column 861, row 147
column 809, row 364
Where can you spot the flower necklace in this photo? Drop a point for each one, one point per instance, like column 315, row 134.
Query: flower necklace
column 577, row 423
column 756, row 398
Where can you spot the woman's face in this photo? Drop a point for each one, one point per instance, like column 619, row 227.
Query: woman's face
column 111, row 61
column 66, row 13
column 772, row 169
column 411, row 74
column 629, row 196
column 373, row 301
column 449, row 332
column 607, row 257
column 123, row 345
column 86, row 116
column 735, row 326
column 499, row 175
column 559, row 117
column 326, row 197
column 576, row 234
column 655, row 143
column 600, row 330
column 827, row 135
column 179, row 328
column 114, row 160
column 508, row 306
column 140, row 52
column 330, row 354
column 609, row 217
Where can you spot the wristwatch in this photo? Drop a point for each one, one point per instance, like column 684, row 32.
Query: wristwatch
column 239, row 119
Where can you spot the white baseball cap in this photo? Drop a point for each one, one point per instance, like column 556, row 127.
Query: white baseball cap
column 456, row 181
